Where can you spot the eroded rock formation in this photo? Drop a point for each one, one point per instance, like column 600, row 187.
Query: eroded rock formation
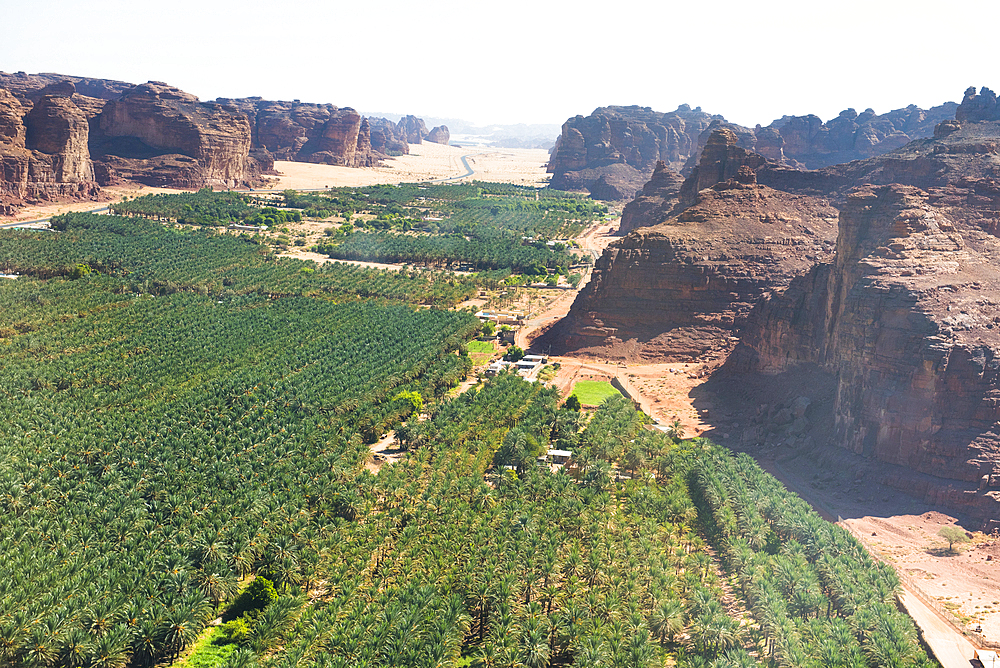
column 439, row 135
column 888, row 347
column 624, row 144
column 903, row 326
column 658, row 199
column 159, row 120
column 62, row 135
column 637, row 137
column 682, row 289
column 411, row 129
column 322, row 133
column 43, row 150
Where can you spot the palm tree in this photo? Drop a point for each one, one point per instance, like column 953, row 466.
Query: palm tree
column 667, row 620
column 534, row 647
column 76, row 648
column 178, row 629
column 111, row 650
column 38, row 651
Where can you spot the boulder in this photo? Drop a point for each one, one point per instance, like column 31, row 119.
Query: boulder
column 411, row 129
column 439, row 135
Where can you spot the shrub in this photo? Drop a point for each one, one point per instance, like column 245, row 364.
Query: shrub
column 257, row 596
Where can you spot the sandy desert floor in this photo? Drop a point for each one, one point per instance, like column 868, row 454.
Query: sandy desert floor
column 425, row 162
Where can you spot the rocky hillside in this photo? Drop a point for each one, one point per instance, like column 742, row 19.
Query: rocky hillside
column 885, row 343
column 43, row 150
column 682, row 289
column 612, row 152
column 63, row 136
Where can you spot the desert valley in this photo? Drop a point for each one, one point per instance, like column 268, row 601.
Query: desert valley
column 288, row 385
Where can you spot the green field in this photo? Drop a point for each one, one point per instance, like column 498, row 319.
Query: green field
column 481, row 352
column 180, row 411
column 593, row 392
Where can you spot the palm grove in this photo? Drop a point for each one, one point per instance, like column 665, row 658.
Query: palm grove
column 193, row 416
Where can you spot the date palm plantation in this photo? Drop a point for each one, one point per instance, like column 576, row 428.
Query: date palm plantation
column 185, row 432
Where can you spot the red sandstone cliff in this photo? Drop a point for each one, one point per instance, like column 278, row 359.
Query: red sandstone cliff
column 681, row 289
column 43, row 151
column 60, row 136
column 888, row 348
column 615, row 149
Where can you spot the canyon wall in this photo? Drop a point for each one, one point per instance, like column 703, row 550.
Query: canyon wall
column 63, row 136
column 43, row 151
column 682, row 289
column 903, row 324
column 623, row 144
column 886, row 344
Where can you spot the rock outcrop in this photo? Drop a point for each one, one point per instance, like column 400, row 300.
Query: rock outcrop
column 43, row 152
column 624, row 144
column 981, row 107
column 888, row 347
column 62, row 135
column 58, row 127
column 658, row 199
column 384, row 139
column 682, row 289
column 320, row 133
column 439, row 135
column 153, row 121
column 411, row 129
column 903, row 325
column 638, row 137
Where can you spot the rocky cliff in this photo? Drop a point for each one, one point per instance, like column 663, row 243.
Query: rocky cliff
column 43, row 150
column 322, row 133
column 623, row 145
column 887, row 346
column 384, row 138
column 62, row 135
column 682, row 289
column 153, row 124
column 628, row 141
column 439, row 135
column 903, row 326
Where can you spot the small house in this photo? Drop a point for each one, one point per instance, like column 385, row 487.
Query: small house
column 988, row 658
column 559, row 456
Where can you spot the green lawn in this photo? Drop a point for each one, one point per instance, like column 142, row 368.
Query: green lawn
column 210, row 651
column 481, row 347
column 481, row 352
column 593, row 392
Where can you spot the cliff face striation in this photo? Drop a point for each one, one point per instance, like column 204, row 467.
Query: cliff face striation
column 903, row 326
column 43, row 150
column 61, row 136
column 153, row 127
column 680, row 290
column 886, row 345
column 621, row 145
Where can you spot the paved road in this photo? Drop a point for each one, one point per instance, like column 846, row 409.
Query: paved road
column 468, row 170
column 22, row 223
column 952, row 649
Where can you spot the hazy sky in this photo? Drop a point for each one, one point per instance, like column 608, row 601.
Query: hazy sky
column 534, row 61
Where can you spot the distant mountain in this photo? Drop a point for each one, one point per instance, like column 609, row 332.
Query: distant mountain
column 467, row 133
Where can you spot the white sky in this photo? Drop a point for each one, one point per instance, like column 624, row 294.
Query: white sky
column 532, row 61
